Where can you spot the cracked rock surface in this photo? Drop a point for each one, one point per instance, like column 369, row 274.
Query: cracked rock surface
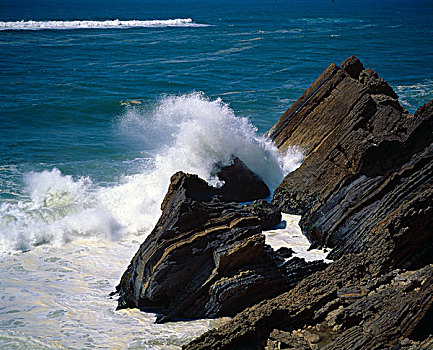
column 364, row 190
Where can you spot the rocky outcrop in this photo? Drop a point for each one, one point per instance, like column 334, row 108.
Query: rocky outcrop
column 240, row 183
column 334, row 122
column 269, row 215
column 365, row 190
column 207, row 258
column 367, row 176
column 350, row 305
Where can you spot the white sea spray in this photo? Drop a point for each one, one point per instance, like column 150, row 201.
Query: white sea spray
column 189, row 133
column 107, row 24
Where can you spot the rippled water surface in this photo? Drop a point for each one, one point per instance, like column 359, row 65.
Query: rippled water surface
column 102, row 101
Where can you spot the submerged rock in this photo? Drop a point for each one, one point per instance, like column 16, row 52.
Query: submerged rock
column 205, row 258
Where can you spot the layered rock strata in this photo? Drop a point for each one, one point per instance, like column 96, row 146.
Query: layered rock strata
column 367, row 163
column 350, row 305
column 206, row 257
column 364, row 189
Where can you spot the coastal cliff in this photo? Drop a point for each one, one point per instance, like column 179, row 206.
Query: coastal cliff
column 368, row 162
column 364, row 190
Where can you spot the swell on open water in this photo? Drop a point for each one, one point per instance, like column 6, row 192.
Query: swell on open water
column 102, row 102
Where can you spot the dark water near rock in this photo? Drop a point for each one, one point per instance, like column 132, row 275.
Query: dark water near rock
column 96, row 114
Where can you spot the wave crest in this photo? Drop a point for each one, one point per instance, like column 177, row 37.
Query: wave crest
column 189, row 133
column 108, row 24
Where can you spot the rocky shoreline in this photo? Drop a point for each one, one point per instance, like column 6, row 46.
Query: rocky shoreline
column 364, row 190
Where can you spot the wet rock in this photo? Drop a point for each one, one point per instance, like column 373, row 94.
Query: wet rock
column 311, row 337
column 367, row 168
column 296, row 269
column 285, row 252
column 186, row 186
column 279, row 339
column 205, row 258
column 240, row 183
column 364, row 189
column 379, row 319
column 269, row 214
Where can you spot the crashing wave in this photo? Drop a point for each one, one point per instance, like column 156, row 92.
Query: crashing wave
column 189, row 133
column 108, row 24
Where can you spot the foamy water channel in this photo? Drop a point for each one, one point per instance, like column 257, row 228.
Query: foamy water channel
column 55, row 298
column 289, row 234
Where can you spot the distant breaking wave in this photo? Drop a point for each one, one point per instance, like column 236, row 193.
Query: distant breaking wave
column 109, row 24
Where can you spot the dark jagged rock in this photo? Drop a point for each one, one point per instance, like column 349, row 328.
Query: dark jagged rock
column 269, row 214
column 350, row 305
column 186, row 186
column 285, row 252
column 205, row 258
column 296, row 269
column 241, row 184
column 251, row 328
column 335, row 121
column 367, row 176
column 364, row 189
column 353, row 67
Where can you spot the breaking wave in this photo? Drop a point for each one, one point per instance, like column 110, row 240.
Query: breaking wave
column 108, row 24
column 189, row 133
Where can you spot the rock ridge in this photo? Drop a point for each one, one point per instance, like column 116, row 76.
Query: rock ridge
column 364, row 190
column 361, row 155
column 347, row 306
column 207, row 257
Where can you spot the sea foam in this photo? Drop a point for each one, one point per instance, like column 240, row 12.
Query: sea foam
column 108, row 24
column 189, row 133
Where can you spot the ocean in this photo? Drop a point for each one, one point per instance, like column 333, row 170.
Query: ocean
column 102, row 101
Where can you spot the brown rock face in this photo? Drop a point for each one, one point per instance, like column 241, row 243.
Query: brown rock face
column 335, row 121
column 350, row 305
column 364, row 189
column 367, row 163
column 206, row 258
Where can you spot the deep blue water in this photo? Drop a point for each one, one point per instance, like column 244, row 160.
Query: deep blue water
column 93, row 122
column 65, row 94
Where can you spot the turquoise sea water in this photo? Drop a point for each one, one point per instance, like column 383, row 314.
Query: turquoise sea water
column 97, row 114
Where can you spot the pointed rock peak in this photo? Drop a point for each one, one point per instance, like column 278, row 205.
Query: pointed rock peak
column 353, row 66
column 240, row 183
column 187, row 186
column 376, row 84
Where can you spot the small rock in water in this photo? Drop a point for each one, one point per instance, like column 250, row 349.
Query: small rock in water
column 285, row 252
